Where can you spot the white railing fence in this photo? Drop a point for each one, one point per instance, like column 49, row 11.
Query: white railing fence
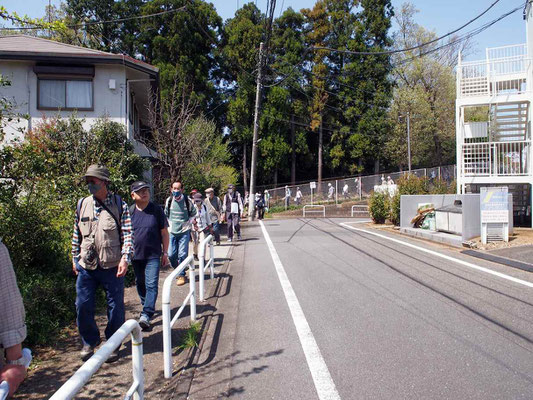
column 359, row 209
column 168, row 323
column 496, row 158
column 514, row 50
column 71, row 387
column 311, row 206
column 208, row 241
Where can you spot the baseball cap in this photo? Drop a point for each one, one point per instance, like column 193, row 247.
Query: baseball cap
column 138, row 185
column 209, row 190
column 197, row 197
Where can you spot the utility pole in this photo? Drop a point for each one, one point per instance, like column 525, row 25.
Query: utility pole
column 251, row 197
column 408, row 142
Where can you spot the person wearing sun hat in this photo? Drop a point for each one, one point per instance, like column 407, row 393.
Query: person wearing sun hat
column 214, row 208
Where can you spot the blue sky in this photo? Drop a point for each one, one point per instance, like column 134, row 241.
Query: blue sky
column 439, row 15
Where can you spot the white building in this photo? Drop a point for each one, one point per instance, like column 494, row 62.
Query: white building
column 496, row 150
column 50, row 78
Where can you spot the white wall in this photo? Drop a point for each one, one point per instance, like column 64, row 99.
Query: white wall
column 23, row 91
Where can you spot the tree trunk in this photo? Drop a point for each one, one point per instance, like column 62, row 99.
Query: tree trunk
column 320, row 157
column 376, row 165
column 293, row 165
column 244, row 163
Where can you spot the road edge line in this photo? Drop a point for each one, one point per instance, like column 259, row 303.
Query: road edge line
column 449, row 258
column 324, row 384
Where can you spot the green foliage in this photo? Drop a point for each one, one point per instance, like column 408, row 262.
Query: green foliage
column 37, row 204
column 190, row 337
column 378, row 207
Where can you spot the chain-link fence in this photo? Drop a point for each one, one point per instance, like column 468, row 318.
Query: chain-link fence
column 350, row 188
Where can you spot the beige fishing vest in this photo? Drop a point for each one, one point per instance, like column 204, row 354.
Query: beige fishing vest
column 104, row 233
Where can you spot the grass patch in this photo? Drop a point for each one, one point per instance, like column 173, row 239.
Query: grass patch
column 190, row 338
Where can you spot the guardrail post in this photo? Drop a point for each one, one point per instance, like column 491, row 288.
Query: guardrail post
column 137, row 363
column 167, row 345
column 192, row 285
column 212, row 259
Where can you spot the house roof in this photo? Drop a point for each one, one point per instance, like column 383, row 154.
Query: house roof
column 22, row 47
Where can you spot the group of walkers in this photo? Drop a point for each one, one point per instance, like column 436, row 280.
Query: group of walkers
column 108, row 236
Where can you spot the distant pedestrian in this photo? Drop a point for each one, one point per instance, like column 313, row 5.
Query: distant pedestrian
column 102, row 248
column 299, row 196
column 233, row 208
column 266, row 196
column 245, row 202
column 201, row 225
column 331, row 191
column 287, row 197
column 389, row 181
column 345, row 191
column 151, row 248
column 260, row 205
column 214, row 207
column 180, row 211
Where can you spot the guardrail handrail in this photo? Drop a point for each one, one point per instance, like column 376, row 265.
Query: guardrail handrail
column 202, row 267
column 71, row 387
column 168, row 323
column 363, row 207
column 315, row 211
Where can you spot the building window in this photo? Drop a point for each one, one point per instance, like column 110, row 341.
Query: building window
column 65, row 94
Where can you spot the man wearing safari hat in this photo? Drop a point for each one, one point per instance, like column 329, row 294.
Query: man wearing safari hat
column 102, row 248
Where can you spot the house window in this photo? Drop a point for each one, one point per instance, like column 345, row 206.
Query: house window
column 65, row 94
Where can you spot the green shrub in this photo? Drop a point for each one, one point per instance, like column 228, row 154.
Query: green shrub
column 37, row 205
column 395, row 209
column 378, row 207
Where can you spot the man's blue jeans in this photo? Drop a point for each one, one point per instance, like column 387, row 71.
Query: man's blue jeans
column 179, row 248
column 86, row 285
column 147, row 280
column 216, row 230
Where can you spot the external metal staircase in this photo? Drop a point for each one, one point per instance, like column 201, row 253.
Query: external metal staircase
column 509, row 121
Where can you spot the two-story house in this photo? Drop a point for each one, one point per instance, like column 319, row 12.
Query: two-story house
column 493, row 122
column 49, row 78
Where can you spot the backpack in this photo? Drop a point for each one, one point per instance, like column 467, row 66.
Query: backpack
column 187, row 204
column 118, row 201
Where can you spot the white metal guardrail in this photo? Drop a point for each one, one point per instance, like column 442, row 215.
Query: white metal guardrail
column 208, row 241
column 323, row 209
column 71, row 387
column 359, row 209
column 169, row 323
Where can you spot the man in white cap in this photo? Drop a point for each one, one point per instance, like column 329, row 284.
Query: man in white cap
column 233, row 208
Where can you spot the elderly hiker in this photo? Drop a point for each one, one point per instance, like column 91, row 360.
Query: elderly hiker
column 233, row 209
column 214, row 208
column 102, row 248
column 299, row 196
column 180, row 212
column 12, row 329
column 151, row 241
column 287, row 197
column 201, row 225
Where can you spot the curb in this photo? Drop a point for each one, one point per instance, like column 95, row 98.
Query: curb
column 500, row 260
column 180, row 383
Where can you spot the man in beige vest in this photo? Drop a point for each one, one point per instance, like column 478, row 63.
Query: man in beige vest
column 102, row 248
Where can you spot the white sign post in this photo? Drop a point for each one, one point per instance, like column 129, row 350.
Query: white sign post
column 312, row 185
column 494, row 207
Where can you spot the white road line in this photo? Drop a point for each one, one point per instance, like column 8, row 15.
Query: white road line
column 449, row 258
column 324, row 385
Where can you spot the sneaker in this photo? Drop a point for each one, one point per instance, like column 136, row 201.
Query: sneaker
column 229, row 240
column 180, row 281
column 218, row 243
column 196, row 257
column 87, row 352
column 144, row 323
column 114, row 356
column 239, row 237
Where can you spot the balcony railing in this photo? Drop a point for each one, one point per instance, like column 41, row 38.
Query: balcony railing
column 496, row 158
column 504, row 70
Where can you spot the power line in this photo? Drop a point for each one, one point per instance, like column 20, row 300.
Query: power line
column 377, row 53
column 111, row 21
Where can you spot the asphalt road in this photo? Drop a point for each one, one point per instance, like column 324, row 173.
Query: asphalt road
column 391, row 322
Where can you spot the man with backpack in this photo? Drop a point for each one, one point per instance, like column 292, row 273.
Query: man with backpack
column 214, row 207
column 201, row 225
column 233, row 209
column 102, row 248
column 151, row 241
column 180, row 212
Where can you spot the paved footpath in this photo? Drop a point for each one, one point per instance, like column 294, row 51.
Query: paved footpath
column 327, row 312
column 113, row 380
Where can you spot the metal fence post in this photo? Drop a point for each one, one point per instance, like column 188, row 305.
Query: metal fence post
column 212, row 259
column 137, row 363
column 336, row 191
column 192, row 284
column 167, row 347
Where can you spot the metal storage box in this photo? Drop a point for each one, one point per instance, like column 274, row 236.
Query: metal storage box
column 450, row 218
